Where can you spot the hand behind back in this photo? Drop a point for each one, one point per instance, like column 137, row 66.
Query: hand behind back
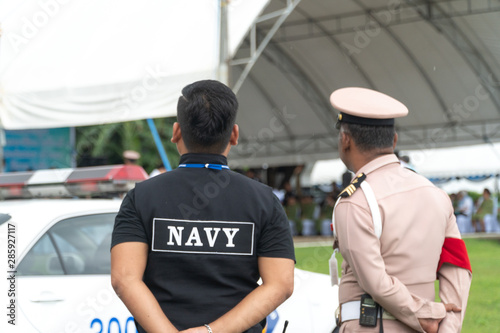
column 432, row 325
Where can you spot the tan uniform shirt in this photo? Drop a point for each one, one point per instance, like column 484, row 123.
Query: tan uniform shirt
column 399, row 270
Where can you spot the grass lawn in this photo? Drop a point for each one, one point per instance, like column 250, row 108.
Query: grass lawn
column 483, row 309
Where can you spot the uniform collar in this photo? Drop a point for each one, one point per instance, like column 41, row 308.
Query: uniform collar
column 378, row 163
column 194, row 158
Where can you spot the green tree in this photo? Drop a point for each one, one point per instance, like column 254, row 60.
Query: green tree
column 104, row 144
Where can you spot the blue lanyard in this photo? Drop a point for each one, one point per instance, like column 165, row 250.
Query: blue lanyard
column 207, row 166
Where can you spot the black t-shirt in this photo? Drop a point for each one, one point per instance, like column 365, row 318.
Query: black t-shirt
column 205, row 229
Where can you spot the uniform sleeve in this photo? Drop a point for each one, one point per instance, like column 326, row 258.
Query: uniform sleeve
column 128, row 225
column 454, row 286
column 361, row 249
column 276, row 239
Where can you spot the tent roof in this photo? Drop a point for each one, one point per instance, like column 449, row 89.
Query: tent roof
column 440, row 58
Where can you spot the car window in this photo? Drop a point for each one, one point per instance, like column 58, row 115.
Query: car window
column 41, row 260
column 4, row 218
column 78, row 245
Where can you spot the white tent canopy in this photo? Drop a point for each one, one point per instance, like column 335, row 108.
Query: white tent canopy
column 482, row 160
column 442, row 163
column 88, row 62
column 92, row 62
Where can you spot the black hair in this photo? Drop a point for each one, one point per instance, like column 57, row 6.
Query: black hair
column 368, row 137
column 206, row 113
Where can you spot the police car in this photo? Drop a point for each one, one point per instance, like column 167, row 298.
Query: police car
column 60, row 281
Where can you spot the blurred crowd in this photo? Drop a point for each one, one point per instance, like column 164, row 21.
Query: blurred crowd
column 309, row 214
column 310, row 209
column 476, row 213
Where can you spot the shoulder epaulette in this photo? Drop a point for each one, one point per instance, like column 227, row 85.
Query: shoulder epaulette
column 349, row 190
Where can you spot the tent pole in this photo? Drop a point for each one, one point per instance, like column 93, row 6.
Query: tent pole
column 223, row 69
column 159, row 145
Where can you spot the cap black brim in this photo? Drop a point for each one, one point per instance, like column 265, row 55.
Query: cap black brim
column 347, row 118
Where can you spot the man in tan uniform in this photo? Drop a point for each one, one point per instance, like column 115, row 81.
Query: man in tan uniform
column 417, row 235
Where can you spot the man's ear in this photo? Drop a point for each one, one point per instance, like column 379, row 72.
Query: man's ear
column 395, row 140
column 345, row 141
column 235, row 134
column 176, row 133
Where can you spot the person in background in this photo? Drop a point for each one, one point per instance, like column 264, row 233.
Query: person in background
column 308, row 215
column 158, row 170
column 454, row 201
column 130, row 157
column 485, row 208
column 250, row 173
column 326, row 214
column 404, row 160
column 465, row 204
column 463, row 212
column 292, row 209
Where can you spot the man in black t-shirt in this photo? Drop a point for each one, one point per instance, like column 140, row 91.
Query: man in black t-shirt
column 189, row 245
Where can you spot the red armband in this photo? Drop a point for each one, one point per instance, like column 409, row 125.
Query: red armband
column 455, row 253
